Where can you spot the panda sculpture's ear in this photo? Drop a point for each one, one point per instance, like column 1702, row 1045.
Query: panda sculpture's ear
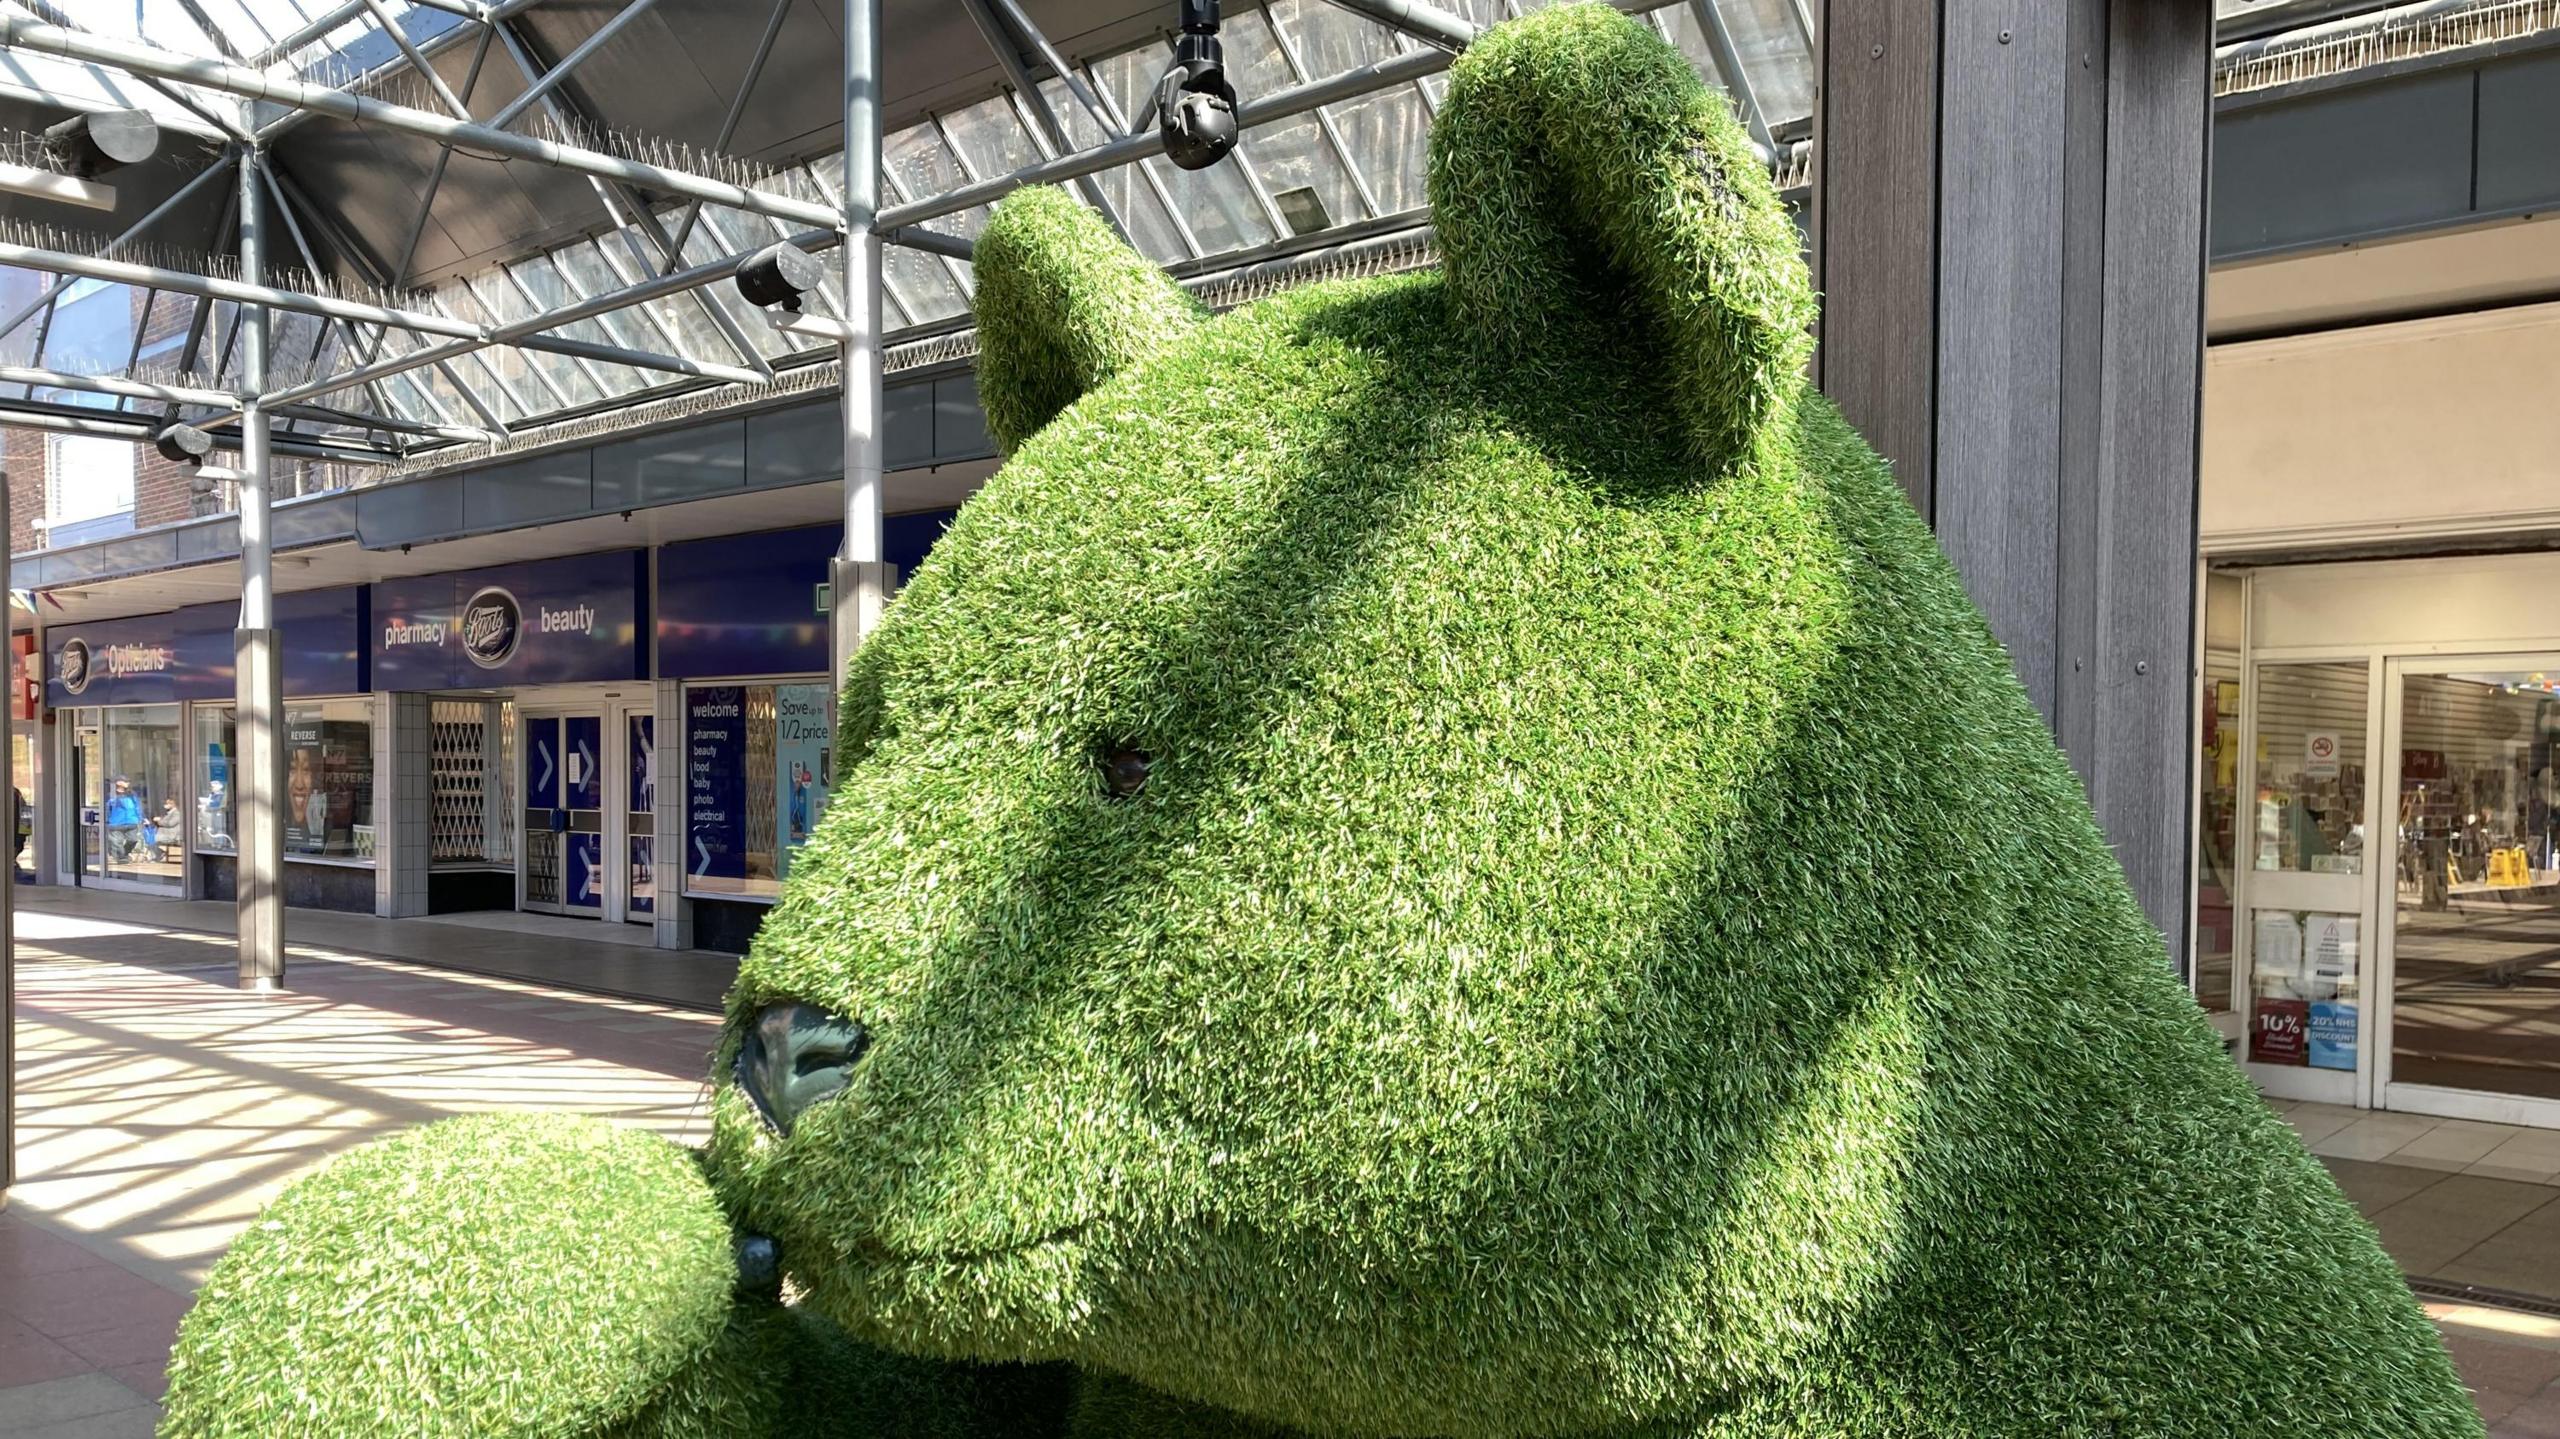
column 1579, row 160
column 1063, row 305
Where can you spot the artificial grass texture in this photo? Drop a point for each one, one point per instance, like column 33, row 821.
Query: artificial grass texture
column 1606, row 944
column 494, row 1275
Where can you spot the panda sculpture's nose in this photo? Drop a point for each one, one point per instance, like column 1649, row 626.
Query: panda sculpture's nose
column 797, row 1055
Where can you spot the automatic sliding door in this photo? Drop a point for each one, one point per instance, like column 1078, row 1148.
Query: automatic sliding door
column 2476, row 886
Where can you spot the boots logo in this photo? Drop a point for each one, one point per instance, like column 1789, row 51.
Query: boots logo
column 73, row 666
column 492, row 624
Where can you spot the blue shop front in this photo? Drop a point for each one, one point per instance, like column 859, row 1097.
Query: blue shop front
column 483, row 739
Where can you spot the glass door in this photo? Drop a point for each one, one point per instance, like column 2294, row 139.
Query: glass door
column 640, row 818
column 2305, row 894
column 89, row 799
column 2473, row 948
column 562, row 868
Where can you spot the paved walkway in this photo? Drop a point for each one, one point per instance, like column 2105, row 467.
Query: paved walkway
column 160, row 1108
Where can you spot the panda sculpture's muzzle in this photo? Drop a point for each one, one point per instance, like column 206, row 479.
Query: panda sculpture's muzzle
column 794, row 1056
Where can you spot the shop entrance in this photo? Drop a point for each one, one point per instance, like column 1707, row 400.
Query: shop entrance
column 2401, row 936
column 589, row 781
column 2470, row 898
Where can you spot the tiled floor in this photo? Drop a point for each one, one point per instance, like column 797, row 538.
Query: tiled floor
column 160, row 1107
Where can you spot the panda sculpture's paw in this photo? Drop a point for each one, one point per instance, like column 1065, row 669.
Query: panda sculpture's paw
column 515, row 1275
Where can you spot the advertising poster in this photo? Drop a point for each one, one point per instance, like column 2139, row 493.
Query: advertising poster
column 801, row 766
column 2329, row 960
column 2279, row 1032
column 306, row 799
column 716, row 785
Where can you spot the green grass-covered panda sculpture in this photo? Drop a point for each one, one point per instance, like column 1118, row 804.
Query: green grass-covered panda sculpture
column 1440, row 856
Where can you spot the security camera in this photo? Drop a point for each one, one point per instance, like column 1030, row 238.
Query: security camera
column 778, row 275
column 183, row 445
column 1195, row 106
column 89, row 145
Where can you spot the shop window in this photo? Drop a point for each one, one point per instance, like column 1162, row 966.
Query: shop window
column 759, row 761
column 2311, row 769
column 133, row 812
column 328, row 787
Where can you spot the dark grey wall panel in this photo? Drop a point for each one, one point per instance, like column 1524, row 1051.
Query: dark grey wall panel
column 906, row 428
column 2520, row 133
column 671, row 465
column 959, row 425
column 2343, row 163
column 527, row 492
column 788, row 447
column 2000, row 253
column 1875, row 225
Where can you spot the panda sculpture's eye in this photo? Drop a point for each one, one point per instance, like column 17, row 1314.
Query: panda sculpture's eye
column 1124, row 770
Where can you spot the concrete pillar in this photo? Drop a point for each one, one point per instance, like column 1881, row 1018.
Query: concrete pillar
column 403, row 804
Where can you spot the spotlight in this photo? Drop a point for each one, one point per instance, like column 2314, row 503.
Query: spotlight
column 183, row 445
column 779, row 274
column 1195, row 106
column 89, row 145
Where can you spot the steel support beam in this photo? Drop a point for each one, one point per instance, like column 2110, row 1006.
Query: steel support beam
column 115, row 385
column 1423, row 22
column 737, row 111
column 142, row 430
column 144, row 60
column 417, row 61
column 551, row 78
column 694, row 278
column 131, row 233
column 1737, row 80
column 423, row 322
column 258, row 675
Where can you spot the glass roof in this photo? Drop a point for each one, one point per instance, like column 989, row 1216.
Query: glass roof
column 1358, row 162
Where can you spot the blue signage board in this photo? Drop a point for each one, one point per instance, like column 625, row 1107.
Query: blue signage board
column 187, row 654
column 716, row 782
column 744, row 604
column 749, row 604
column 542, row 622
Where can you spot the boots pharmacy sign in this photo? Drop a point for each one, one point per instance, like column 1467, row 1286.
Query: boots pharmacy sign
column 545, row 622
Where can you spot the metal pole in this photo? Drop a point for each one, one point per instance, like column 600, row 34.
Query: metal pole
column 861, row 581
column 479, row 139
column 258, row 872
